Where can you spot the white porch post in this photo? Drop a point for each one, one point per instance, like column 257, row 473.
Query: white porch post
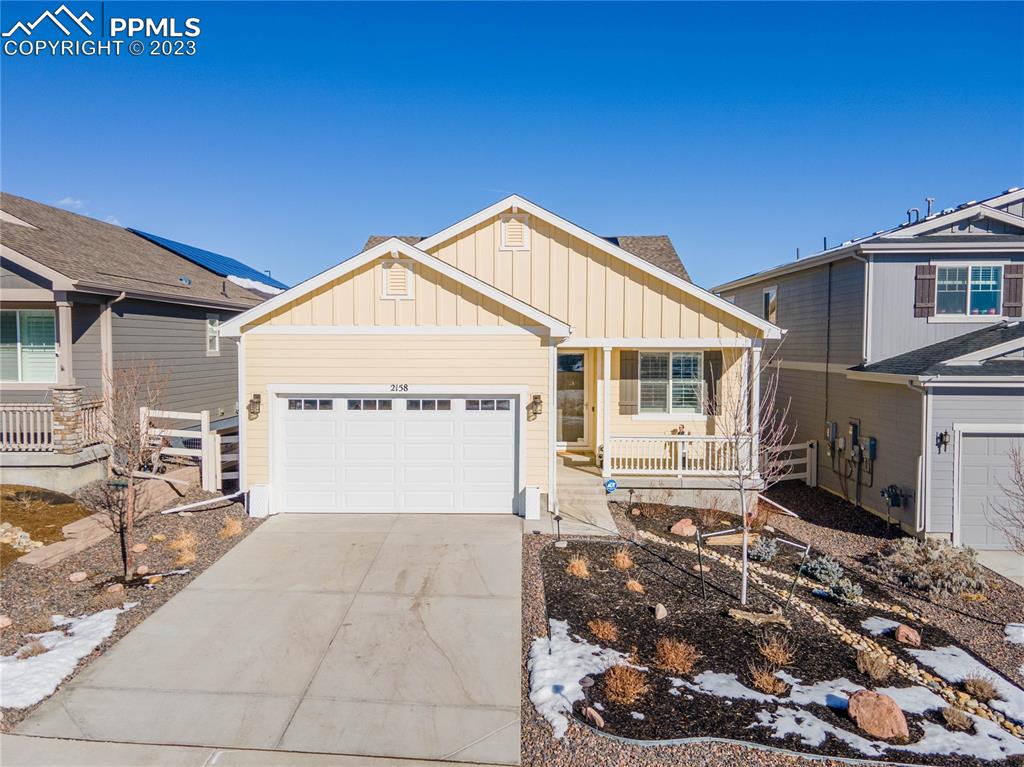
column 604, row 387
column 755, row 406
column 552, row 410
column 65, row 373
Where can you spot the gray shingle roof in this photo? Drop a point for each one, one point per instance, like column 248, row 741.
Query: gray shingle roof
column 100, row 255
column 927, row 361
column 656, row 248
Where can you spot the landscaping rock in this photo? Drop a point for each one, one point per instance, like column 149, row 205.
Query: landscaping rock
column 684, row 528
column 594, row 717
column 141, row 570
column 78, row 577
column 5, row 621
column 878, row 715
column 154, row 579
column 759, row 619
column 138, row 548
column 159, row 538
column 587, row 681
column 660, row 613
column 907, row 635
column 113, row 588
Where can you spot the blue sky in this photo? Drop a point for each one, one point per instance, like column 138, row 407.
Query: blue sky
column 744, row 131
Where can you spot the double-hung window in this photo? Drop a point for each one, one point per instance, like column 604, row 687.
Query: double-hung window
column 969, row 290
column 212, row 335
column 671, row 382
column 28, row 345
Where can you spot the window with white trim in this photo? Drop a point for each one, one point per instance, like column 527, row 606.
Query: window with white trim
column 770, row 304
column 311, row 404
column 28, row 345
column 488, row 404
column 212, row 335
column 969, row 290
column 671, row 382
column 369, row 404
column 396, row 279
column 515, row 232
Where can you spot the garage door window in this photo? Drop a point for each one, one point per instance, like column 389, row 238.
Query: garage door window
column 488, row 404
column 311, row 404
column 369, row 404
column 428, row 404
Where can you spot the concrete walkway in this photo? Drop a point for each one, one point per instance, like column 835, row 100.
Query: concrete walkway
column 1009, row 564
column 582, row 502
column 377, row 635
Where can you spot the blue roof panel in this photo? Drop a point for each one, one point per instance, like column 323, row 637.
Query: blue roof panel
column 215, row 262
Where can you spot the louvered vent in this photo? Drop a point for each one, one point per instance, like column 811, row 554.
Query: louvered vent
column 515, row 232
column 396, row 280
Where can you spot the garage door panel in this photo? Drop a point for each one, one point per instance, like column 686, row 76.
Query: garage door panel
column 417, row 458
column 984, row 470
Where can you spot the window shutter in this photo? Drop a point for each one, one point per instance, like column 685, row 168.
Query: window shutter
column 629, row 386
column 1013, row 290
column 712, row 379
column 924, row 290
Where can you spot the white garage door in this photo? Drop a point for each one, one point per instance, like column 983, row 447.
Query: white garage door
column 379, row 454
column 984, row 471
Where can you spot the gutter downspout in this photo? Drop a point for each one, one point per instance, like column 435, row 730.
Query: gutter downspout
column 865, row 340
column 107, row 346
column 923, row 475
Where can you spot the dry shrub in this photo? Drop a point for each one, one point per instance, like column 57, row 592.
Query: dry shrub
column 31, row 650
column 232, row 527
column 762, row 677
column 957, row 719
column 622, row 560
column 635, row 586
column 37, row 624
column 676, row 655
column 759, row 516
column 625, row 685
column 105, row 600
column 652, row 503
column 980, row 687
column 26, row 502
column 777, row 649
column 578, row 567
column 710, row 515
column 185, row 544
column 603, row 630
column 873, row 665
column 932, row 565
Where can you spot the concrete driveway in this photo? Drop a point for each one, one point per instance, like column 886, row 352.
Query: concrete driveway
column 382, row 635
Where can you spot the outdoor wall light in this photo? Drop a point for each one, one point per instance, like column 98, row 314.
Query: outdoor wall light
column 253, row 408
column 536, row 406
column 942, row 440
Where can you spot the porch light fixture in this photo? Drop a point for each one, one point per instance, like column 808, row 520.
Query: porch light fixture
column 253, row 408
column 536, row 406
column 942, row 440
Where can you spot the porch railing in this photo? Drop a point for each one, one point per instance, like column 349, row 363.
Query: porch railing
column 26, row 427
column 92, row 412
column 675, row 456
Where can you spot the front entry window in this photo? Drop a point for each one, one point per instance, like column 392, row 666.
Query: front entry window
column 571, row 405
column 671, row 382
column 28, row 346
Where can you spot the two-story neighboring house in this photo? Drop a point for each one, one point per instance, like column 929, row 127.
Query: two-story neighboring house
column 904, row 357
column 83, row 299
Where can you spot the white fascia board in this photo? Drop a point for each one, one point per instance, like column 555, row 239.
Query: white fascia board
column 894, row 378
column 397, row 330
column 943, row 220
column 989, row 352
column 573, row 342
column 60, row 281
column 393, row 245
column 976, row 381
column 1006, row 198
column 939, row 250
column 770, row 331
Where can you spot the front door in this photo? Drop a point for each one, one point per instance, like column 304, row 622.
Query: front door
column 571, row 390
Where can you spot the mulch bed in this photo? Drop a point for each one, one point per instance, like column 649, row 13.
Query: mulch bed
column 852, row 536
column 31, row 594
column 582, row 746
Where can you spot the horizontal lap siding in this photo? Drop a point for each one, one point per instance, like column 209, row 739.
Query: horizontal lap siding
column 996, row 406
column 86, row 354
column 520, row 360
column 173, row 339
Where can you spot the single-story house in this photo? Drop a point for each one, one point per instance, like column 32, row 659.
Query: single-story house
column 446, row 373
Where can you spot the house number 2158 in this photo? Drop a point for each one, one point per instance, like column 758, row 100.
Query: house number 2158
column 399, row 387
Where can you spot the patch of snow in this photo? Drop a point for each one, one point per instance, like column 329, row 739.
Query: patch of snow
column 262, row 287
column 988, row 741
column 26, row 681
column 674, row 691
column 1015, row 633
column 914, row 700
column 637, row 715
column 876, row 625
column 724, row 686
column 833, row 693
column 954, row 665
column 598, row 706
column 557, row 664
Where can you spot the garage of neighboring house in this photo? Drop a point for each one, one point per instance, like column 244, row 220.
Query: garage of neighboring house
column 983, row 473
column 371, row 452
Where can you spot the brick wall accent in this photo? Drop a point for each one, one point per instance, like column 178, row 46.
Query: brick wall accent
column 67, row 419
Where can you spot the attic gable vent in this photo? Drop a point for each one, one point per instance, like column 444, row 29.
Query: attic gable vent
column 515, row 232
column 397, row 280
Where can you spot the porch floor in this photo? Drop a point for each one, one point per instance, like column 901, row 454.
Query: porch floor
column 582, row 502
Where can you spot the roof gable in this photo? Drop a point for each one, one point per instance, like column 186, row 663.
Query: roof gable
column 394, row 246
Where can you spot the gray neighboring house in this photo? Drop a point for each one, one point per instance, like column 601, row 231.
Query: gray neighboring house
column 904, row 358
column 82, row 299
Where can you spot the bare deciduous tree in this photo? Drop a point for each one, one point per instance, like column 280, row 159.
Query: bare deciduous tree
column 1008, row 516
column 754, row 458
column 131, row 449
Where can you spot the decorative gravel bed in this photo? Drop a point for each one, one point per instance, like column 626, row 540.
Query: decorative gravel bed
column 697, row 704
column 851, row 536
column 30, row 595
